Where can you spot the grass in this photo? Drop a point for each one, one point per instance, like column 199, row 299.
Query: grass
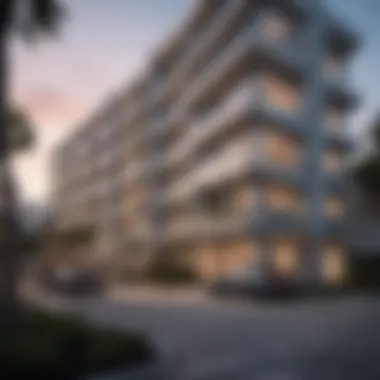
column 55, row 346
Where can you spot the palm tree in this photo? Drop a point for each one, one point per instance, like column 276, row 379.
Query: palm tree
column 28, row 18
column 20, row 136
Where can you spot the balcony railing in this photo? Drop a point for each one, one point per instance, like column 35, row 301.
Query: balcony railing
column 133, row 172
column 210, row 126
column 230, row 163
column 204, row 227
column 234, row 52
column 210, row 36
column 267, row 220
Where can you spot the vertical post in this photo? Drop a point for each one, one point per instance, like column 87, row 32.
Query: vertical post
column 313, row 111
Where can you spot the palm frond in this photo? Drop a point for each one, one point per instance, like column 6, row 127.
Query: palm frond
column 21, row 131
column 35, row 17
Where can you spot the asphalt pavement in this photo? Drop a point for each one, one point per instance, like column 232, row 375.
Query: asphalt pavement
column 209, row 339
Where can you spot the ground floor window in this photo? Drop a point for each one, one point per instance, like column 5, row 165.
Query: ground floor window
column 333, row 264
column 286, row 257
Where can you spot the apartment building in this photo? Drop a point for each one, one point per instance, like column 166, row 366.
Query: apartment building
column 228, row 151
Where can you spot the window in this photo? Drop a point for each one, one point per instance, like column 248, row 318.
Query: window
column 334, row 207
column 333, row 264
column 282, row 150
column 285, row 257
column 237, row 258
column 284, row 200
column 282, row 95
column 242, row 198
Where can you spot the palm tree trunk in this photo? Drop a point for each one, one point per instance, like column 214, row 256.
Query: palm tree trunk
column 8, row 197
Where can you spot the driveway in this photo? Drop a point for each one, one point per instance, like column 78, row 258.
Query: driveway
column 210, row 339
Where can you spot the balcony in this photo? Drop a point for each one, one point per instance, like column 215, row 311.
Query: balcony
column 249, row 43
column 266, row 221
column 340, row 140
column 214, row 123
column 341, row 36
column 234, row 163
column 133, row 172
column 139, row 234
column 337, row 182
column 174, row 120
column 246, row 104
column 206, row 228
column 339, row 93
column 214, row 33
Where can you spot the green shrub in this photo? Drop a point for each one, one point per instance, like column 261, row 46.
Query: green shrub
column 365, row 272
column 171, row 271
column 58, row 347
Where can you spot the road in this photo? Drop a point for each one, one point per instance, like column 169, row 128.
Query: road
column 214, row 340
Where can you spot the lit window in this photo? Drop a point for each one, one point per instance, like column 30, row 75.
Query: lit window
column 285, row 200
column 282, row 150
column 282, row 95
column 243, row 198
column 285, row 257
column 333, row 264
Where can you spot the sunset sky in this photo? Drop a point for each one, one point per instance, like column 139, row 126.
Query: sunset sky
column 105, row 42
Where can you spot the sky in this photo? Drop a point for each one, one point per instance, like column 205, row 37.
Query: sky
column 104, row 43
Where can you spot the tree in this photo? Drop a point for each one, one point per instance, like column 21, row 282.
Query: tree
column 366, row 173
column 28, row 19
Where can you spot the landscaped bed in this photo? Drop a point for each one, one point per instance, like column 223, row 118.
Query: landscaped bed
column 54, row 346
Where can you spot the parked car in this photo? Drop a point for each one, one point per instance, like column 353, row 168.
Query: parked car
column 72, row 282
column 244, row 282
column 255, row 283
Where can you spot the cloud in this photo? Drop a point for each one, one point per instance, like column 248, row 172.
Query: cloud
column 50, row 106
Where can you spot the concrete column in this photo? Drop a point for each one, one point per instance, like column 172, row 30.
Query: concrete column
column 313, row 116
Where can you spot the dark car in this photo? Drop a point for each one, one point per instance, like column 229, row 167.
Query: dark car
column 72, row 282
column 256, row 284
column 246, row 282
column 82, row 283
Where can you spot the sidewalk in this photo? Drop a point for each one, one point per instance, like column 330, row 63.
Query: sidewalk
column 154, row 293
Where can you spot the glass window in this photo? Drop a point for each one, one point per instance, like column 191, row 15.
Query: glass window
column 282, row 150
column 284, row 200
column 285, row 257
column 282, row 95
column 333, row 263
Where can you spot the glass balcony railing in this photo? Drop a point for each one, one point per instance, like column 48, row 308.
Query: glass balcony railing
column 214, row 33
column 210, row 126
column 204, row 226
column 233, row 53
column 231, row 162
column 266, row 219
column 220, row 64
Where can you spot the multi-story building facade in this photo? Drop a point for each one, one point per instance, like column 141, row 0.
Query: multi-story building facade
column 228, row 151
